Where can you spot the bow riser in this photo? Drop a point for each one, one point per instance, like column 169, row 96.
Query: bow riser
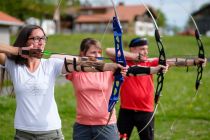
column 117, row 29
column 120, row 59
column 115, row 93
column 162, row 61
column 201, row 54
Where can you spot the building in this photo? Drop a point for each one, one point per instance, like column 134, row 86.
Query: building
column 7, row 21
column 202, row 18
column 133, row 18
column 48, row 25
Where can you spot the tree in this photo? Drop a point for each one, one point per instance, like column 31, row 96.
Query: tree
column 161, row 19
column 23, row 9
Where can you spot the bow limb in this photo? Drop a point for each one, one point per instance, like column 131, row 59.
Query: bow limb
column 201, row 54
column 162, row 57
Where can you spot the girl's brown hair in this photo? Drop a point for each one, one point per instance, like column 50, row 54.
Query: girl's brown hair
column 86, row 44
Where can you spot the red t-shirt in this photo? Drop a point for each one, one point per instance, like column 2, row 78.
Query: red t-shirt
column 137, row 92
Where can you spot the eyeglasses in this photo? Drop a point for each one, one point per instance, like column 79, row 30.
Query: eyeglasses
column 38, row 39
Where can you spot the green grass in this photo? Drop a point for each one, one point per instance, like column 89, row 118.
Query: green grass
column 180, row 116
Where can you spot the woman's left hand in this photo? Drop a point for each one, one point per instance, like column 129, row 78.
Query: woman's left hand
column 123, row 69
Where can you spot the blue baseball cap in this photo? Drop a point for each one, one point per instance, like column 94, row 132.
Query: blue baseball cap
column 138, row 42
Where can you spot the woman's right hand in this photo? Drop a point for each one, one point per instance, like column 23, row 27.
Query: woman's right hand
column 116, row 68
column 28, row 52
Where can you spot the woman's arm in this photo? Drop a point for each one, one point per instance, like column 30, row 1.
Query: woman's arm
column 86, row 64
column 9, row 49
column 128, row 55
column 6, row 49
column 90, row 66
column 25, row 52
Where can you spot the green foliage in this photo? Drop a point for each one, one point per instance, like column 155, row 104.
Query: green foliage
column 161, row 19
column 76, row 3
column 7, row 112
column 23, row 9
column 180, row 116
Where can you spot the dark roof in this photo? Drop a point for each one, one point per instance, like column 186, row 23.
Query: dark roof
column 206, row 7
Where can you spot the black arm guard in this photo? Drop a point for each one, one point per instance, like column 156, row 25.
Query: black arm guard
column 134, row 70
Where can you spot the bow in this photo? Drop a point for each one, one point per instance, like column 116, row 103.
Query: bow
column 201, row 54
column 162, row 58
column 120, row 59
column 161, row 61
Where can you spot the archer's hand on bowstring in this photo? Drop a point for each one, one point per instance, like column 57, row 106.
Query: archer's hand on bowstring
column 28, row 52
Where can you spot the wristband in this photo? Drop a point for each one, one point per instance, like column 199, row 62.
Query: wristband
column 19, row 51
column 194, row 63
column 186, row 61
column 23, row 52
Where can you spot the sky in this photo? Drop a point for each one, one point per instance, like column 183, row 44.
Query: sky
column 176, row 11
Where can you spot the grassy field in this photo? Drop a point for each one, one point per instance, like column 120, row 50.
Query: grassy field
column 180, row 115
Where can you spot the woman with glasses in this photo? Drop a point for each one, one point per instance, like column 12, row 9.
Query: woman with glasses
column 33, row 79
